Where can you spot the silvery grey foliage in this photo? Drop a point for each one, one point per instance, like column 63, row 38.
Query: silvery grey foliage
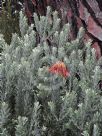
column 35, row 102
column 21, row 127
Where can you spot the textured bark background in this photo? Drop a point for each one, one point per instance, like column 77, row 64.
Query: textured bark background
column 86, row 13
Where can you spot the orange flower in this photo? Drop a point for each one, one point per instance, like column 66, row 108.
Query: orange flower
column 59, row 68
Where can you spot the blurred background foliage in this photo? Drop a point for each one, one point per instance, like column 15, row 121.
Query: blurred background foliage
column 9, row 19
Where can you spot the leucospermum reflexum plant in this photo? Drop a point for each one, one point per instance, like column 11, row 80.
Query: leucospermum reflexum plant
column 49, row 85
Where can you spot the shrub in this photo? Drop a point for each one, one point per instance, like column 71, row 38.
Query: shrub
column 47, row 86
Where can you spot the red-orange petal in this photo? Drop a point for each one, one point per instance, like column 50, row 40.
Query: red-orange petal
column 59, row 68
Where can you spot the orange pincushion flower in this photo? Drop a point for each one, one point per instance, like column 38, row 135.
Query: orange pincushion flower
column 59, row 68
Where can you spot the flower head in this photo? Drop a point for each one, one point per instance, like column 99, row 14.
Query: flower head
column 59, row 68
